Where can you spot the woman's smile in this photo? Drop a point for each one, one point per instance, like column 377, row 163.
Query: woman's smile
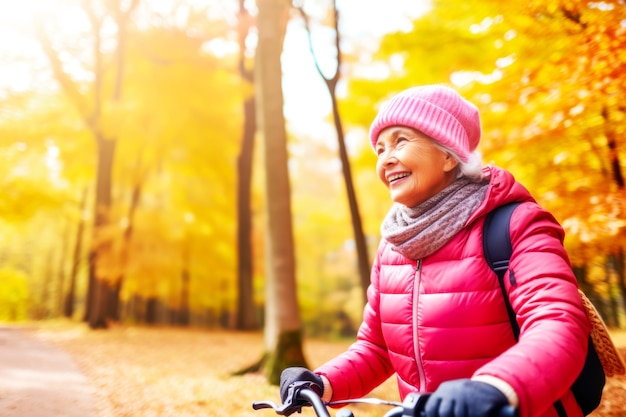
column 397, row 176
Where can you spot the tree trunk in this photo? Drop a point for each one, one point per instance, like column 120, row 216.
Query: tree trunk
column 612, row 317
column 70, row 295
column 246, row 312
column 97, row 315
column 61, row 272
column 282, row 319
column 620, row 265
column 580, row 272
column 611, row 143
column 615, row 261
column 113, row 312
column 121, row 17
column 183, row 312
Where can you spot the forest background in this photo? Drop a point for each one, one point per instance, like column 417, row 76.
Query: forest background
column 126, row 147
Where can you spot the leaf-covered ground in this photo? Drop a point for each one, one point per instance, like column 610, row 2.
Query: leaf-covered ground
column 149, row 372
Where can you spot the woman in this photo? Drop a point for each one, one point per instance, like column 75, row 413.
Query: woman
column 435, row 314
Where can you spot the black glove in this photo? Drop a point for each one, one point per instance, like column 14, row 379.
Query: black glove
column 465, row 398
column 297, row 374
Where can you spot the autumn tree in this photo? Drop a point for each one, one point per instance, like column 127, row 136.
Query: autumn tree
column 246, row 309
column 92, row 110
column 331, row 84
column 283, row 339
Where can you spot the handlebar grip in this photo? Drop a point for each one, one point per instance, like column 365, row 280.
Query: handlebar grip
column 414, row 404
column 315, row 401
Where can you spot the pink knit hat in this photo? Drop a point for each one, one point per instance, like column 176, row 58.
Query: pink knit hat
column 435, row 110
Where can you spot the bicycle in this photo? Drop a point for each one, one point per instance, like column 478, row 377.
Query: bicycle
column 412, row 406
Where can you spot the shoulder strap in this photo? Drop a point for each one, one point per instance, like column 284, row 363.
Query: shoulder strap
column 498, row 250
column 497, row 246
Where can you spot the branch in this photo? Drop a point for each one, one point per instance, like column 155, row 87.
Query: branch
column 244, row 23
column 574, row 17
column 337, row 43
column 63, row 78
column 332, row 81
column 96, row 24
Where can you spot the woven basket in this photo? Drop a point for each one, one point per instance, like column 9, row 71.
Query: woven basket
column 612, row 361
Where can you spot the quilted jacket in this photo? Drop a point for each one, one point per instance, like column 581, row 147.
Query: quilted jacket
column 443, row 317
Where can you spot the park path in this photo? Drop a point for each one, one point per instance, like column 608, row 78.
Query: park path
column 40, row 380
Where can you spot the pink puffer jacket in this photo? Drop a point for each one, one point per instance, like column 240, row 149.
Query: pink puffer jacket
column 443, row 317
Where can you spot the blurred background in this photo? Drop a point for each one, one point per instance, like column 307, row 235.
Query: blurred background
column 132, row 169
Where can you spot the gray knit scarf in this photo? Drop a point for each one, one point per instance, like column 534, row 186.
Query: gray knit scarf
column 419, row 231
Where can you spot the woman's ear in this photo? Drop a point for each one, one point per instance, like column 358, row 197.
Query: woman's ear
column 449, row 163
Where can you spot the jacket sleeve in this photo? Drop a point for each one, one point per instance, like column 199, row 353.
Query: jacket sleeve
column 365, row 364
column 554, row 328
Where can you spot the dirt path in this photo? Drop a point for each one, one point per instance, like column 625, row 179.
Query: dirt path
column 40, row 380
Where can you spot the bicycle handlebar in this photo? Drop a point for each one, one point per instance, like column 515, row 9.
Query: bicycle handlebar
column 300, row 394
column 288, row 408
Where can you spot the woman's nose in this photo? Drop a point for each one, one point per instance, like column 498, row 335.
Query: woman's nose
column 389, row 158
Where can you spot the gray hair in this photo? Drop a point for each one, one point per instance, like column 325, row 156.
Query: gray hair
column 472, row 169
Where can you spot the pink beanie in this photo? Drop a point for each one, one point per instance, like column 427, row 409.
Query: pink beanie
column 435, row 110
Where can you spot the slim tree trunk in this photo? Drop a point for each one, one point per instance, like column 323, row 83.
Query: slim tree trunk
column 355, row 215
column 61, row 271
column 113, row 310
column 615, row 265
column 98, row 302
column 620, row 264
column 70, row 295
column 185, row 277
column 110, row 298
column 283, row 340
column 611, row 143
column 246, row 312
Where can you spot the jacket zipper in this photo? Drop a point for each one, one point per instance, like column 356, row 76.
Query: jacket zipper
column 418, row 357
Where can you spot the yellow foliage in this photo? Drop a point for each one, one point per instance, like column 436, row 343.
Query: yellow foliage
column 14, row 294
column 547, row 77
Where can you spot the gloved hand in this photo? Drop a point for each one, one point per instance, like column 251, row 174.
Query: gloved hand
column 464, row 398
column 298, row 374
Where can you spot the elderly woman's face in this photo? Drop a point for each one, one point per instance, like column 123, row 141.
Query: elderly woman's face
column 411, row 166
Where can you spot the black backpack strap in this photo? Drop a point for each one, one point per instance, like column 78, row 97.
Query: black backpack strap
column 497, row 248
